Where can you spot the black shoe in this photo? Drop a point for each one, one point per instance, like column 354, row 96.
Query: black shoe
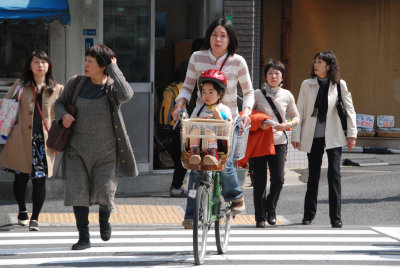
column 271, row 218
column 83, row 243
column 23, row 218
column 33, row 225
column 306, row 222
column 260, row 224
column 337, row 224
column 105, row 230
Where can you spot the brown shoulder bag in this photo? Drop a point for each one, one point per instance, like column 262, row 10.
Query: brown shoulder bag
column 58, row 135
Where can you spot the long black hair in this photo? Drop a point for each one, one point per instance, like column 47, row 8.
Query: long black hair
column 27, row 76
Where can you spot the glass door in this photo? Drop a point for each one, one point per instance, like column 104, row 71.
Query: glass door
column 129, row 32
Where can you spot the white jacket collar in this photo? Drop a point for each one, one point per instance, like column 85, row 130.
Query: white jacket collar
column 219, row 61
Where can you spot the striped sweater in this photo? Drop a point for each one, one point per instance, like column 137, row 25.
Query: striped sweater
column 235, row 70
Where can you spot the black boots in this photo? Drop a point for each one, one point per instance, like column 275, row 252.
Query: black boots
column 82, row 223
column 105, row 227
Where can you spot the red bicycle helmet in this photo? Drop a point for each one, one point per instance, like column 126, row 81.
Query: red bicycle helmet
column 215, row 76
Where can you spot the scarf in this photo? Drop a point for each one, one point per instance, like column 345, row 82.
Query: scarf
column 268, row 91
column 321, row 103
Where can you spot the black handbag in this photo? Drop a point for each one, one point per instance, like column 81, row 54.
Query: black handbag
column 341, row 108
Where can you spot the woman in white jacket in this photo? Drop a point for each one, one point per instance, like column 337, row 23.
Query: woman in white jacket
column 320, row 129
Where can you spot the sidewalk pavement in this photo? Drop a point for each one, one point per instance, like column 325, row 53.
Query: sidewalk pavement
column 142, row 200
column 138, row 207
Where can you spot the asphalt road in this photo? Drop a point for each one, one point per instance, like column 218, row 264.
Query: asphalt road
column 370, row 197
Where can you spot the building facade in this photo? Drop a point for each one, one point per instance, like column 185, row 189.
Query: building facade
column 144, row 34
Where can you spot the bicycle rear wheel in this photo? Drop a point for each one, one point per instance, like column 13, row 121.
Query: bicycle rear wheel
column 223, row 227
column 200, row 224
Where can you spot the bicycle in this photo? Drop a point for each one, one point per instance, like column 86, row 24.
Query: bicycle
column 210, row 206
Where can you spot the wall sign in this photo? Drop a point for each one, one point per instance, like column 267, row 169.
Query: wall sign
column 89, row 31
column 365, row 122
column 88, row 43
column 385, row 121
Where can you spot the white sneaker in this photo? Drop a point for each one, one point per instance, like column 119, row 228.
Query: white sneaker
column 195, row 159
column 210, row 160
column 177, row 192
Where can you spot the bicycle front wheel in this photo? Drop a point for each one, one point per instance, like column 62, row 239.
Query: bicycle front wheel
column 200, row 224
column 223, row 227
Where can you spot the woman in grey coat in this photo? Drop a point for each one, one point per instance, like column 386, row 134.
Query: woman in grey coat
column 99, row 147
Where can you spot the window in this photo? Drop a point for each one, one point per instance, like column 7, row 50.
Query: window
column 17, row 41
column 127, row 33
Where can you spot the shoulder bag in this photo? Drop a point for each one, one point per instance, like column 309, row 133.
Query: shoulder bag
column 58, row 134
column 341, row 108
column 278, row 116
column 9, row 112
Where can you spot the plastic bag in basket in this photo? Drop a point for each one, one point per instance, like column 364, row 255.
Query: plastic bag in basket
column 9, row 113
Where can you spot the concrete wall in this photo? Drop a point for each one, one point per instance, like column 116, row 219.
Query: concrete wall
column 365, row 36
column 271, row 33
column 67, row 43
column 246, row 20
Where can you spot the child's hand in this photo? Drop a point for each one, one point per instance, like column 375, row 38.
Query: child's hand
column 217, row 114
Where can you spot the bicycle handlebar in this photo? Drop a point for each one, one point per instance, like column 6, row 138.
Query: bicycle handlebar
column 181, row 115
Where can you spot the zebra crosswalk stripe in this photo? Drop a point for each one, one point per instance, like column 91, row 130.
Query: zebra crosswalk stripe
column 374, row 247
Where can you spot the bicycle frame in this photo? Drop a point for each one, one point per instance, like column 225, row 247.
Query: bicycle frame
column 211, row 180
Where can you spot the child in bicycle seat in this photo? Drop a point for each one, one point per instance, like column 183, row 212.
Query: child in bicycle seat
column 212, row 84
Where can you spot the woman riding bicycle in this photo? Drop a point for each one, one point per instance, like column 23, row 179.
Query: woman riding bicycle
column 221, row 45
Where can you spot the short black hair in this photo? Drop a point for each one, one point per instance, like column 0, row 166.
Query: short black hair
column 233, row 40
column 102, row 53
column 276, row 65
column 218, row 88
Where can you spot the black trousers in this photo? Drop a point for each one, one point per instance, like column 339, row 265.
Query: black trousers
column 38, row 193
column 264, row 204
column 334, row 180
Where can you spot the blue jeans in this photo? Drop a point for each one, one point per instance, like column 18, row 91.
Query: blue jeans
column 230, row 185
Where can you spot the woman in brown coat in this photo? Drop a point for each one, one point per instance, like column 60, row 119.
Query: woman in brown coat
column 25, row 152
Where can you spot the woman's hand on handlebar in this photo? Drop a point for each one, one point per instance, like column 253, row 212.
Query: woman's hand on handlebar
column 245, row 116
column 179, row 105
